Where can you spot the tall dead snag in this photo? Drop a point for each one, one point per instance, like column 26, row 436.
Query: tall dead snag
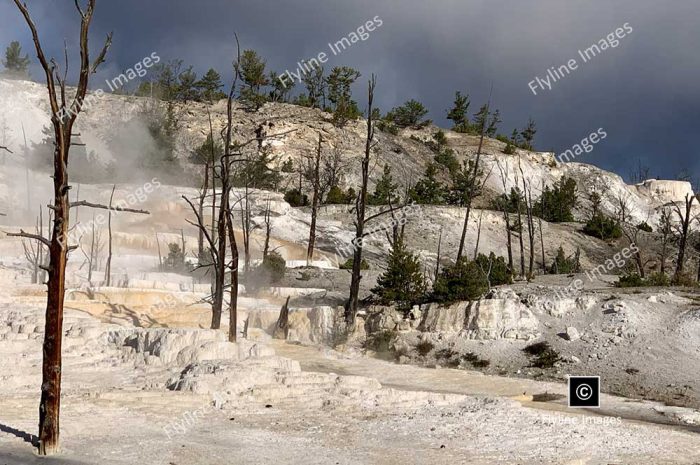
column 473, row 182
column 683, row 229
column 282, row 326
column 233, row 298
column 478, row 235
column 268, row 228
column 360, row 205
column 63, row 116
column 34, row 250
column 92, row 254
column 108, row 264
column 666, row 230
column 314, row 202
column 527, row 192
column 506, row 214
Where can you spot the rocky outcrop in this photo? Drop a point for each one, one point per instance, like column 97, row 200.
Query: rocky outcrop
column 665, row 191
column 501, row 315
column 317, row 325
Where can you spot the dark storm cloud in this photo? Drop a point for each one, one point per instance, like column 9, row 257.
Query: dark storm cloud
column 643, row 92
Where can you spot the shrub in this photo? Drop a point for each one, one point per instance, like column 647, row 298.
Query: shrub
column 175, row 261
column 410, row 114
column 275, row 265
column 296, row 198
column 387, row 127
column 542, row 355
column 337, row 197
column 348, row 264
column 565, row 265
column 288, row 166
column 658, row 279
column 403, row 282
column 644, row 227
column 270, row 271
column 602, row 227
column 381, row 342
column 424, row 347
column 509, row 149
column 556, row 203
column 630, row 280
column 496, row 269
column 462, row 281
column 683, row 279
column 447, row 159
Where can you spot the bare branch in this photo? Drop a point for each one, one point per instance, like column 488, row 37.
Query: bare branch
column 2, row 147
column 101, row 57
column 85, row 203
column 26, row 235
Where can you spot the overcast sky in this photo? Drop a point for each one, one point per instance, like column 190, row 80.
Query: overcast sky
column 644, row 93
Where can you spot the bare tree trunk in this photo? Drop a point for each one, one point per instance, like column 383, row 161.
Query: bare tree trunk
column 92, row 251
column 530, row 224
column 360, row 205
column 520, row 236
column 205, row 187
column 26, row 168
column 268, row 230
column 233, row 303
column 282, row 327
column 314, row 203
column 472, row 184
column 478, row 236
column 544, row 260
column 437, row 262
column 684, row 229
column 160, row 256
column 108, row 264
column 63, row 118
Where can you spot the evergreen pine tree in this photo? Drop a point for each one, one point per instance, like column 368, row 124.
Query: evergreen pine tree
column 429, row 190
column 458, row 113
column 15, row 64
column 210, row 86
column 528, row 135
column 339, row 84
column 251, row 68
column 403, row 282
column 385, row 191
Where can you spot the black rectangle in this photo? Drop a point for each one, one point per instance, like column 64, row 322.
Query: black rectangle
column 584, row 391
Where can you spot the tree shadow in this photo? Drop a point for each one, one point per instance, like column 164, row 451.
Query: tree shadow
column 26, row 437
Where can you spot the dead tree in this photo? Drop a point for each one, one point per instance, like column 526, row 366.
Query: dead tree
column 160, row 255
column 233, row 298
column 63, row 117
column 282, row 326
column 360, row 205
column 478, row 235
column 314, row 202
column 92, row 255
column 439, row 251
column 527, row 193
column 682, row 229
column 506, row 213
column 222, row 235
column 666, row 230
column 108, row 264
column 34, row 251
column 473, row 182
column 519, row 207
column 268, row 229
